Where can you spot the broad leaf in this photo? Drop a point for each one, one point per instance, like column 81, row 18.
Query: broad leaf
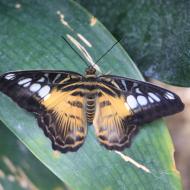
column 30, row 38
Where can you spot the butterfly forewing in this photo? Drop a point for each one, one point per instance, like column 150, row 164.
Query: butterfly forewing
column 49, row 95
column 146, row 101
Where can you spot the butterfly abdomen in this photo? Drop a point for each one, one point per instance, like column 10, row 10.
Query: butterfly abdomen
column 90, row 108
column 91, row 95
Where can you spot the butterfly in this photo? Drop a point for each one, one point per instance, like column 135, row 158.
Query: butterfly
column 65, row 103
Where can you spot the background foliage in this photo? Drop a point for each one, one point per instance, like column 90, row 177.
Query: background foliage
column 156, row 34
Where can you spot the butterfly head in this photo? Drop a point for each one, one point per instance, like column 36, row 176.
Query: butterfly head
column 90, row 71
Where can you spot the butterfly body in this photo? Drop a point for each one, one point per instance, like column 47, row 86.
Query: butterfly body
column 65, row 102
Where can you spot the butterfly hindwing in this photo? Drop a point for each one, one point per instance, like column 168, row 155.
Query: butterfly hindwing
column 110, row 121
column 146, row 101
column 64, row 120
column 60, row 114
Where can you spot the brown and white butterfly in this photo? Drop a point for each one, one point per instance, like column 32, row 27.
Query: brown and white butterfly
column 65, row 102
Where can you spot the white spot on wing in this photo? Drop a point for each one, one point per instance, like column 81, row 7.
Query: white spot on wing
column 154, row 97
column 142, row 100
column 138, row 91
column 10, row 76
column 150, row 100
column 26, row 80
column 27, row 84
column 131, row 100
column 44, row 91
column 42, row 79
column 170, row 95
column 35, row 87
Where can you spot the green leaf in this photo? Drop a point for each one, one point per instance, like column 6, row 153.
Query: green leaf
column 156, row 34
column 18, row 167
column 30, row 38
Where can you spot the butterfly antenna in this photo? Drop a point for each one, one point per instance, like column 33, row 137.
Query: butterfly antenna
column 108, row 50
column 75, row 50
